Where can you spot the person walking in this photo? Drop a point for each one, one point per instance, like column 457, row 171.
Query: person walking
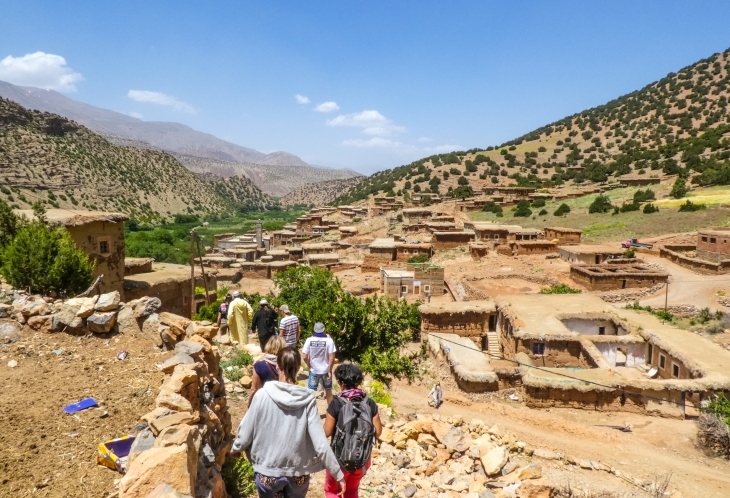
column 265, row 369
column 291, row 445
column 223, row 316
column 319, row 355
column 239, row 316
column 264, row 323
column 289, row 326
column 349, row 376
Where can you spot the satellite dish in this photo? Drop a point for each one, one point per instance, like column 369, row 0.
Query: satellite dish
column 652, row 372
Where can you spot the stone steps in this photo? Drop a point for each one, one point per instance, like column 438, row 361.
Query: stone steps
column 495, row 352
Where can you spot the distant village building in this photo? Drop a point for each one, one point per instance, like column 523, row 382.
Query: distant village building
column 563, row 235
column 714, row 245
column 419, row 280
column 594, row 254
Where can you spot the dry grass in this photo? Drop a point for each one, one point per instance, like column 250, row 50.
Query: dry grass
column 713, row 435
column 658, row 488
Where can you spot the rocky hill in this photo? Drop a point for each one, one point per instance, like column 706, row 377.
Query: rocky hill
column 677, row 125
column 47, row 158
column 277, row 180
column 320, row 193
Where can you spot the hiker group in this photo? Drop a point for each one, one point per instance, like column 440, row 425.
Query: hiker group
column 282, row 434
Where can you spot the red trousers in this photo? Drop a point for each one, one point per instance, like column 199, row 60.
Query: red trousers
column 352, row 483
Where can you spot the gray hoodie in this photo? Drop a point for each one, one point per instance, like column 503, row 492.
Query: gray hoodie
column 282, row 433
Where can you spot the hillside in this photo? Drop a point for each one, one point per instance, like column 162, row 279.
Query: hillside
column 319, row 193
column 44, row 157
column 168, row 136
column 276, row 180
column 677, row 125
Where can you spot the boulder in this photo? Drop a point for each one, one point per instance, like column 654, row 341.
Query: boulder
column 169, row 364
column 146, row 306
column 9, row 331
column 166, row 491
column 456, row 440
column 35, row 306
column 101, row 321
column 172, row 465
column 494, row 460
column 202, row 329
column 177, row 419
column 67, row 317
column 41, row 323
column 546, row 454
column 127, row 322
column 188, row 347
column 143, row 442
column 246, row 382
column 533, row 471
column 178, row 324
column 108, row 302
column 173, row 401
column 155, row 414
column 84, row 306
column 151, row 328
column 176, row 435
column 5, row 310
column 531, row 489
column 207, row 347
column 440, row 429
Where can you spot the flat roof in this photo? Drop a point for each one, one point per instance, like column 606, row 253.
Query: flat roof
column 331, row 256
column 73, row 217
column 482, row 225
column 717, row 231
column 416, row 210
column 382, row 244
column 317, row 245
column 564, row 229
column 485, row 306
column 396, row 273
column 593, row 249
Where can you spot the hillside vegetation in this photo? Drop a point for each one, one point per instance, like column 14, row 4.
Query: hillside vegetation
column 678, row 125
column 319, row 193
column 47, row 158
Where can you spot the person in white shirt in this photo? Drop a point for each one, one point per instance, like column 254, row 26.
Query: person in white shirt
column 319, row 355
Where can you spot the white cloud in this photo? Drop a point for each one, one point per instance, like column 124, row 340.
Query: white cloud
column 327, row 107
column 41, row 70
column 373, row 143
column 301, row 99
column 371, row 122
column 160, row 98
column 425, row 139
column 137, row 115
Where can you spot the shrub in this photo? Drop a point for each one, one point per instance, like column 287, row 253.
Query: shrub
column 46, row 260
column 462, row 191
column 538, row 203
column 523, row 209
column 454, row 171
column 543, row 212
column 629, row 253
column 463, row 181
column 379, row 394
column 628, row 206
column 238, row 476
column 650, row 208
column 562, row 210
column 679, row 189
column 644, row 195
column 601, row 204
column 491, row 207
column 689, row 207
column 661, row 314
column 419, row 258
column 560, row 289
column 239, row 359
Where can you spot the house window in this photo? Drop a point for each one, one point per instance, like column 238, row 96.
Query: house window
column 704, row 239
column 250, row 268
column 675, row 370
column 185, row 300
column 662, row 361
column 601, row 330
column 538, row 348
column 426, row 288
column 713, row 240
column 404, row 289
column 104, row 246
column 496, row 236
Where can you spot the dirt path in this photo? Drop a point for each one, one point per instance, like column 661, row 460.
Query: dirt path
column 656, row 446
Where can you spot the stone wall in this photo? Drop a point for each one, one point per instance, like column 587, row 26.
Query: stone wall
column 450, row 240
column 558, row 354
column 92, row 237
column 612, row 281
column 698, row 265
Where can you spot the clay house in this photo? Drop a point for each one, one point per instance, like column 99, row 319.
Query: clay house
column 415, row 215
column 383, row 199
column 632, row 180
column 282, row 238
column 616, row 276
column 590, row 254
column 324, row 260
column 478, row 250
column 473, row 320
column 311, row 248
column 221, row 236
column 306, row 224
column 405, row 250
column 443, row 218
column 419, row 280
column 217, row 261
column 381, row 252
column 347, row 231
column 562, row 235
column 490, row 232
column 296, row 253
column 448, row 240
column 134, row 266
column 714, row 245
column 441, row 226
column 100, row 235
column 278, row 255
column 527, row 247
column 414, row 227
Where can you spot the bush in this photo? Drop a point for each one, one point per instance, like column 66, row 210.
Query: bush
column 562, row 210
column 538, row 203
column 462, row 192
column 629, row 253
column 378, row 394
column 463, row 181
column 690, row 207
column 419, row 258
column 560, row 289
column 644, row 195
column 679, row 189
column 46, row 260
column 238, row 476
column 491, row 207
column 628, row 206
column 661, row 314
column 523, row 209
column 601, row 204
column 543, row 212
column 650, row 208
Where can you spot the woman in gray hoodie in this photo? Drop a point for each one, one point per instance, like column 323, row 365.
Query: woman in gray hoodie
column 282, row 435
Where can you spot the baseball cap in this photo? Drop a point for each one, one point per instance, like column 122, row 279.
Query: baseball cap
column 284, row 308
column 319, row 327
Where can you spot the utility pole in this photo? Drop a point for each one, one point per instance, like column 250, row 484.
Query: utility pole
column 666, row 295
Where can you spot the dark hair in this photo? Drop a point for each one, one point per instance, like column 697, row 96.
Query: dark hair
column 289, row 361
column 349, row 375
column 229, row 298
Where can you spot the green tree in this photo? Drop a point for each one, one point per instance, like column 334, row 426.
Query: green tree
column 9, row 225
column 463, row 181
column 601, row 204
column 562, row 210
column 679, row 189
column 462, row 192
column 46, row 260
column 523, row 209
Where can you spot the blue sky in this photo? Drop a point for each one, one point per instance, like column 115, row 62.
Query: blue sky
column 399, row 80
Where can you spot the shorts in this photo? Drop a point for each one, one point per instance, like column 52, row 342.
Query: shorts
column 316, row 379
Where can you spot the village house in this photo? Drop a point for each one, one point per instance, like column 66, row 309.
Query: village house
column 419, row 280
column 563, row 235
column 591, row 254
column 415, row 215
column 448, row 240
column 714, row 245
column 406, row 250
column 310, row 248
column 282, row 238
column 616, row 276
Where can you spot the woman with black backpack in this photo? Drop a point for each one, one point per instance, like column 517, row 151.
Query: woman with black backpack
column 353, row 423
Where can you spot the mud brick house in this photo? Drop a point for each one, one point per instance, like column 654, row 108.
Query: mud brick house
column 305, row 224
column 478, row 250
column 449, row 240
column 616, row 276
column 322, row 259
column 405, row 251
column 414, row 215
column 591, row 254
column 563, row 235
column 526, row 247
column 714, row 245
column 501, row 234
column 441, row 226
column 100, row 235
column 310, row 248
column 418, row 280
column 347, row 231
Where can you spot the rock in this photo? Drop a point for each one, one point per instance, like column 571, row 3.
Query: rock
column 172, row 465
column 151, row 328
column 546, row 454
column 12, row 364
column 143, row 442
column 509, row 468
column 246, row 382
column 533, row 471
column 102, row 321
column 169, row 364
column 177, row 324
column 456, row 440
column 147, row 306
column 190, row 348
column 166, row 491
column 108, row 302
column 86, row 305
column 410, row 491
column 486, row 494
column 401, row 460
column 127, row 323
column 494, row 460
column 207, row 347
column 9, row 331
column 202, row 329
column 426, row 439
column 534, row 490
column 66, row 317
column 386, row 435
column 206, row 453
column 173, row 401
column 177, row 419
column 440, row 429
column 34, row 308
column 5, row 310
column 155, row 414
column 41, row 323
column 585, row 464
column 177, row 435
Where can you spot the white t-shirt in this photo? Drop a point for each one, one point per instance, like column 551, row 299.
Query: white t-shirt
column 319, row 350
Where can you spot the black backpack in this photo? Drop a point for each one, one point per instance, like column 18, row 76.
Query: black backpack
column 354, row 435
